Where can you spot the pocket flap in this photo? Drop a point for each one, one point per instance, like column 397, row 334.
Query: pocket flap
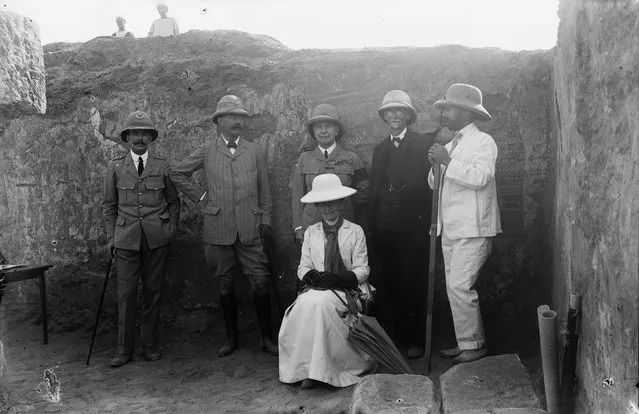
column 124, row 185
column 165, row 215
column 211, row 210
column 155, row 186
column 121, row 221
column 258, row 211
column 344, row 169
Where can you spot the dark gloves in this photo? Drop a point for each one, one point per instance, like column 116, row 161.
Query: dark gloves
column 311, row 278
column 344, row 280
column 265, row 230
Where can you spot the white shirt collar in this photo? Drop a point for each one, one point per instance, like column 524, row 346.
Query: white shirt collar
column 466, row 129
column 226, row 142
column 136, row 157
column 401, row 135
column 329, row 149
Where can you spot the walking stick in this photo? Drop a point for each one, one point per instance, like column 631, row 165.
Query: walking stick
column 432, row 259
column 97, row 318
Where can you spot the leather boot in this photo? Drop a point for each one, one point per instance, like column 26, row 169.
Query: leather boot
column 229, row 310
column 263, row 310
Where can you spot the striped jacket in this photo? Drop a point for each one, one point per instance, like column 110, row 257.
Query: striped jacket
column 238, row 197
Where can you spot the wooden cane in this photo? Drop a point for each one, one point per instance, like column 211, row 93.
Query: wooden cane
column 432, row 259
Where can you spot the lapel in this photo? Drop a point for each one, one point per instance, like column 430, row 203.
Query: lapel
column 319, row 240
column 241, row 147
column 150, row 162
column 222, row 148
column 336, row 152
column 345, row 232
column 130, row 165
column 319, row 154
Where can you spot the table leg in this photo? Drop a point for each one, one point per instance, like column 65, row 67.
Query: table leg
column 43, row 306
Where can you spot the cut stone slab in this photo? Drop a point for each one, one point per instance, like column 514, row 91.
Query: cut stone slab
column 22, row 74
column 496, row 384
column 387, row 393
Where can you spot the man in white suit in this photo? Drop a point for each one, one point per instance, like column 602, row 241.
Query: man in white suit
column 468, row 213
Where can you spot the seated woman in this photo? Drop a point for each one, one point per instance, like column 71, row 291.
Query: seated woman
column 312, row 339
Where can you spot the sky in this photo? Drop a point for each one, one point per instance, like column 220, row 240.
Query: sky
column 303, row 24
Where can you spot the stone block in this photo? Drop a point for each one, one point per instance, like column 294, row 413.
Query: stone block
column 497, row 384
column 386, row 393
column 22, row 74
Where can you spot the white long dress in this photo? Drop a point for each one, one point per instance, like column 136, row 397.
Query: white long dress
column 313, row 335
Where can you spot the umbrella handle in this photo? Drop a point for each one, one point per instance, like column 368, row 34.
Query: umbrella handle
column 344, row 303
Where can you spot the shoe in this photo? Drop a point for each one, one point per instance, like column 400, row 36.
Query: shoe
column 415, row 352
column 263, row 311
column 450, row 353
column 470, row 355
column 151, row 354
column 119, row 360
column 308, row 383
column 229, row 346
column 269, row 347
column 229, row 310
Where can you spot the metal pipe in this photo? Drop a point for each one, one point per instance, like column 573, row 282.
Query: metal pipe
column 548, row 339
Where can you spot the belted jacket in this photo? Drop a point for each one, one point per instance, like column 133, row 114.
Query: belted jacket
column 347, row 165
column 238, row 197
column 133, row 203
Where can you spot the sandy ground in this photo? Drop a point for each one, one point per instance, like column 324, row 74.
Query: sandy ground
column 189, row 379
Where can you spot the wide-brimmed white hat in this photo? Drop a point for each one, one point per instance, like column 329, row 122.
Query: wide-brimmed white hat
column 327, row 187
column 466, row 97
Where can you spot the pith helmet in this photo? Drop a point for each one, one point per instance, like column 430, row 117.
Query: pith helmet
column 325, row 112
column 398, row 99
column 327, row 187
column 229, row 104
column 138, row 120
column 464, row 96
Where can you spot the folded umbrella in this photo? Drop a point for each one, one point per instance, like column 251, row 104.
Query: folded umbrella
column 367, row 335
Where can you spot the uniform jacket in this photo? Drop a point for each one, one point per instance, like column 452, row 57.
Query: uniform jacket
column 468, row 201
column 345, row 164
column 238, row 197
column 132, row 203
column 416, row 155
column 352, row 247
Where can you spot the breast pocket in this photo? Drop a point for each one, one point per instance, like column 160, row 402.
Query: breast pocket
column 126, row 192
column 155, row 192
column 345, row 174
column 309, row 172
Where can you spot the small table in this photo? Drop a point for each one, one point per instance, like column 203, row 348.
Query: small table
column 18, row 274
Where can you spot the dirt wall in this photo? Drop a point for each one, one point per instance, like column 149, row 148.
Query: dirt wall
column 596, row 222
column 53, row 165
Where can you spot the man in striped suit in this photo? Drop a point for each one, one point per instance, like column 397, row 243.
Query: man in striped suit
column 237, row 214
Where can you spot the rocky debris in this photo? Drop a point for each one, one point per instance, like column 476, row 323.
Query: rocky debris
column 494, row 383
column 387, row 393
column 22, row 76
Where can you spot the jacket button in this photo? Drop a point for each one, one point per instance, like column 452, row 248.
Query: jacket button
column 140, row 193
column 140, row 205
column 140, row 218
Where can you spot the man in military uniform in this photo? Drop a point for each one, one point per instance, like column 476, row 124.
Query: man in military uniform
column 141, row 210
column 327, row 157
column 237, row 215
column 400, row 219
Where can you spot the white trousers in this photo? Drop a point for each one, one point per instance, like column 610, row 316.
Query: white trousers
column 462, row 260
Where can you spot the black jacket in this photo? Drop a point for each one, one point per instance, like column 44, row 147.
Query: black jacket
column 418, row 165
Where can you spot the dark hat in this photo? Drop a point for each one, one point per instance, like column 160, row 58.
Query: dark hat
column 138, row 120
column 229, row 104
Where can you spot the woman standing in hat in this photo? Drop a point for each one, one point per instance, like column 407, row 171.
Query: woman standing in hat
column 327, row 157
column 312, row 342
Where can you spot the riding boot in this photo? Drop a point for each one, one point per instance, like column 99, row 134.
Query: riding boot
column 263, row 311
column 229, row 310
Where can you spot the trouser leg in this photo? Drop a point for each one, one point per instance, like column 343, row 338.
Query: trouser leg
column 463, row 260
column 128, row 264
column 153, row 271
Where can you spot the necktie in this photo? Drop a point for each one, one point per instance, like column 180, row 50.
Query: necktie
column 232, row 145
column 396, row 141
column 325, row 153
column 455, row 141
column 140, row 166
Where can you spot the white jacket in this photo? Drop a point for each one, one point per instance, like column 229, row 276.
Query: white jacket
column 468, row 196
column 352, row 247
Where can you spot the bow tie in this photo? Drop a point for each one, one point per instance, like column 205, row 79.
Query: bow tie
column 232, row 144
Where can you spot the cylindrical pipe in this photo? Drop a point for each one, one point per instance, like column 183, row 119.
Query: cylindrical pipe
column 568, row 378
column 548, row 338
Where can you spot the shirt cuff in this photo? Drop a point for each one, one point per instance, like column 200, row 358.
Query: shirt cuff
column 298, row 228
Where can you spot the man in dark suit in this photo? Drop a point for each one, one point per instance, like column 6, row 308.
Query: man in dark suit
column 141, row 210
column 399, row 218
column 237, row 215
